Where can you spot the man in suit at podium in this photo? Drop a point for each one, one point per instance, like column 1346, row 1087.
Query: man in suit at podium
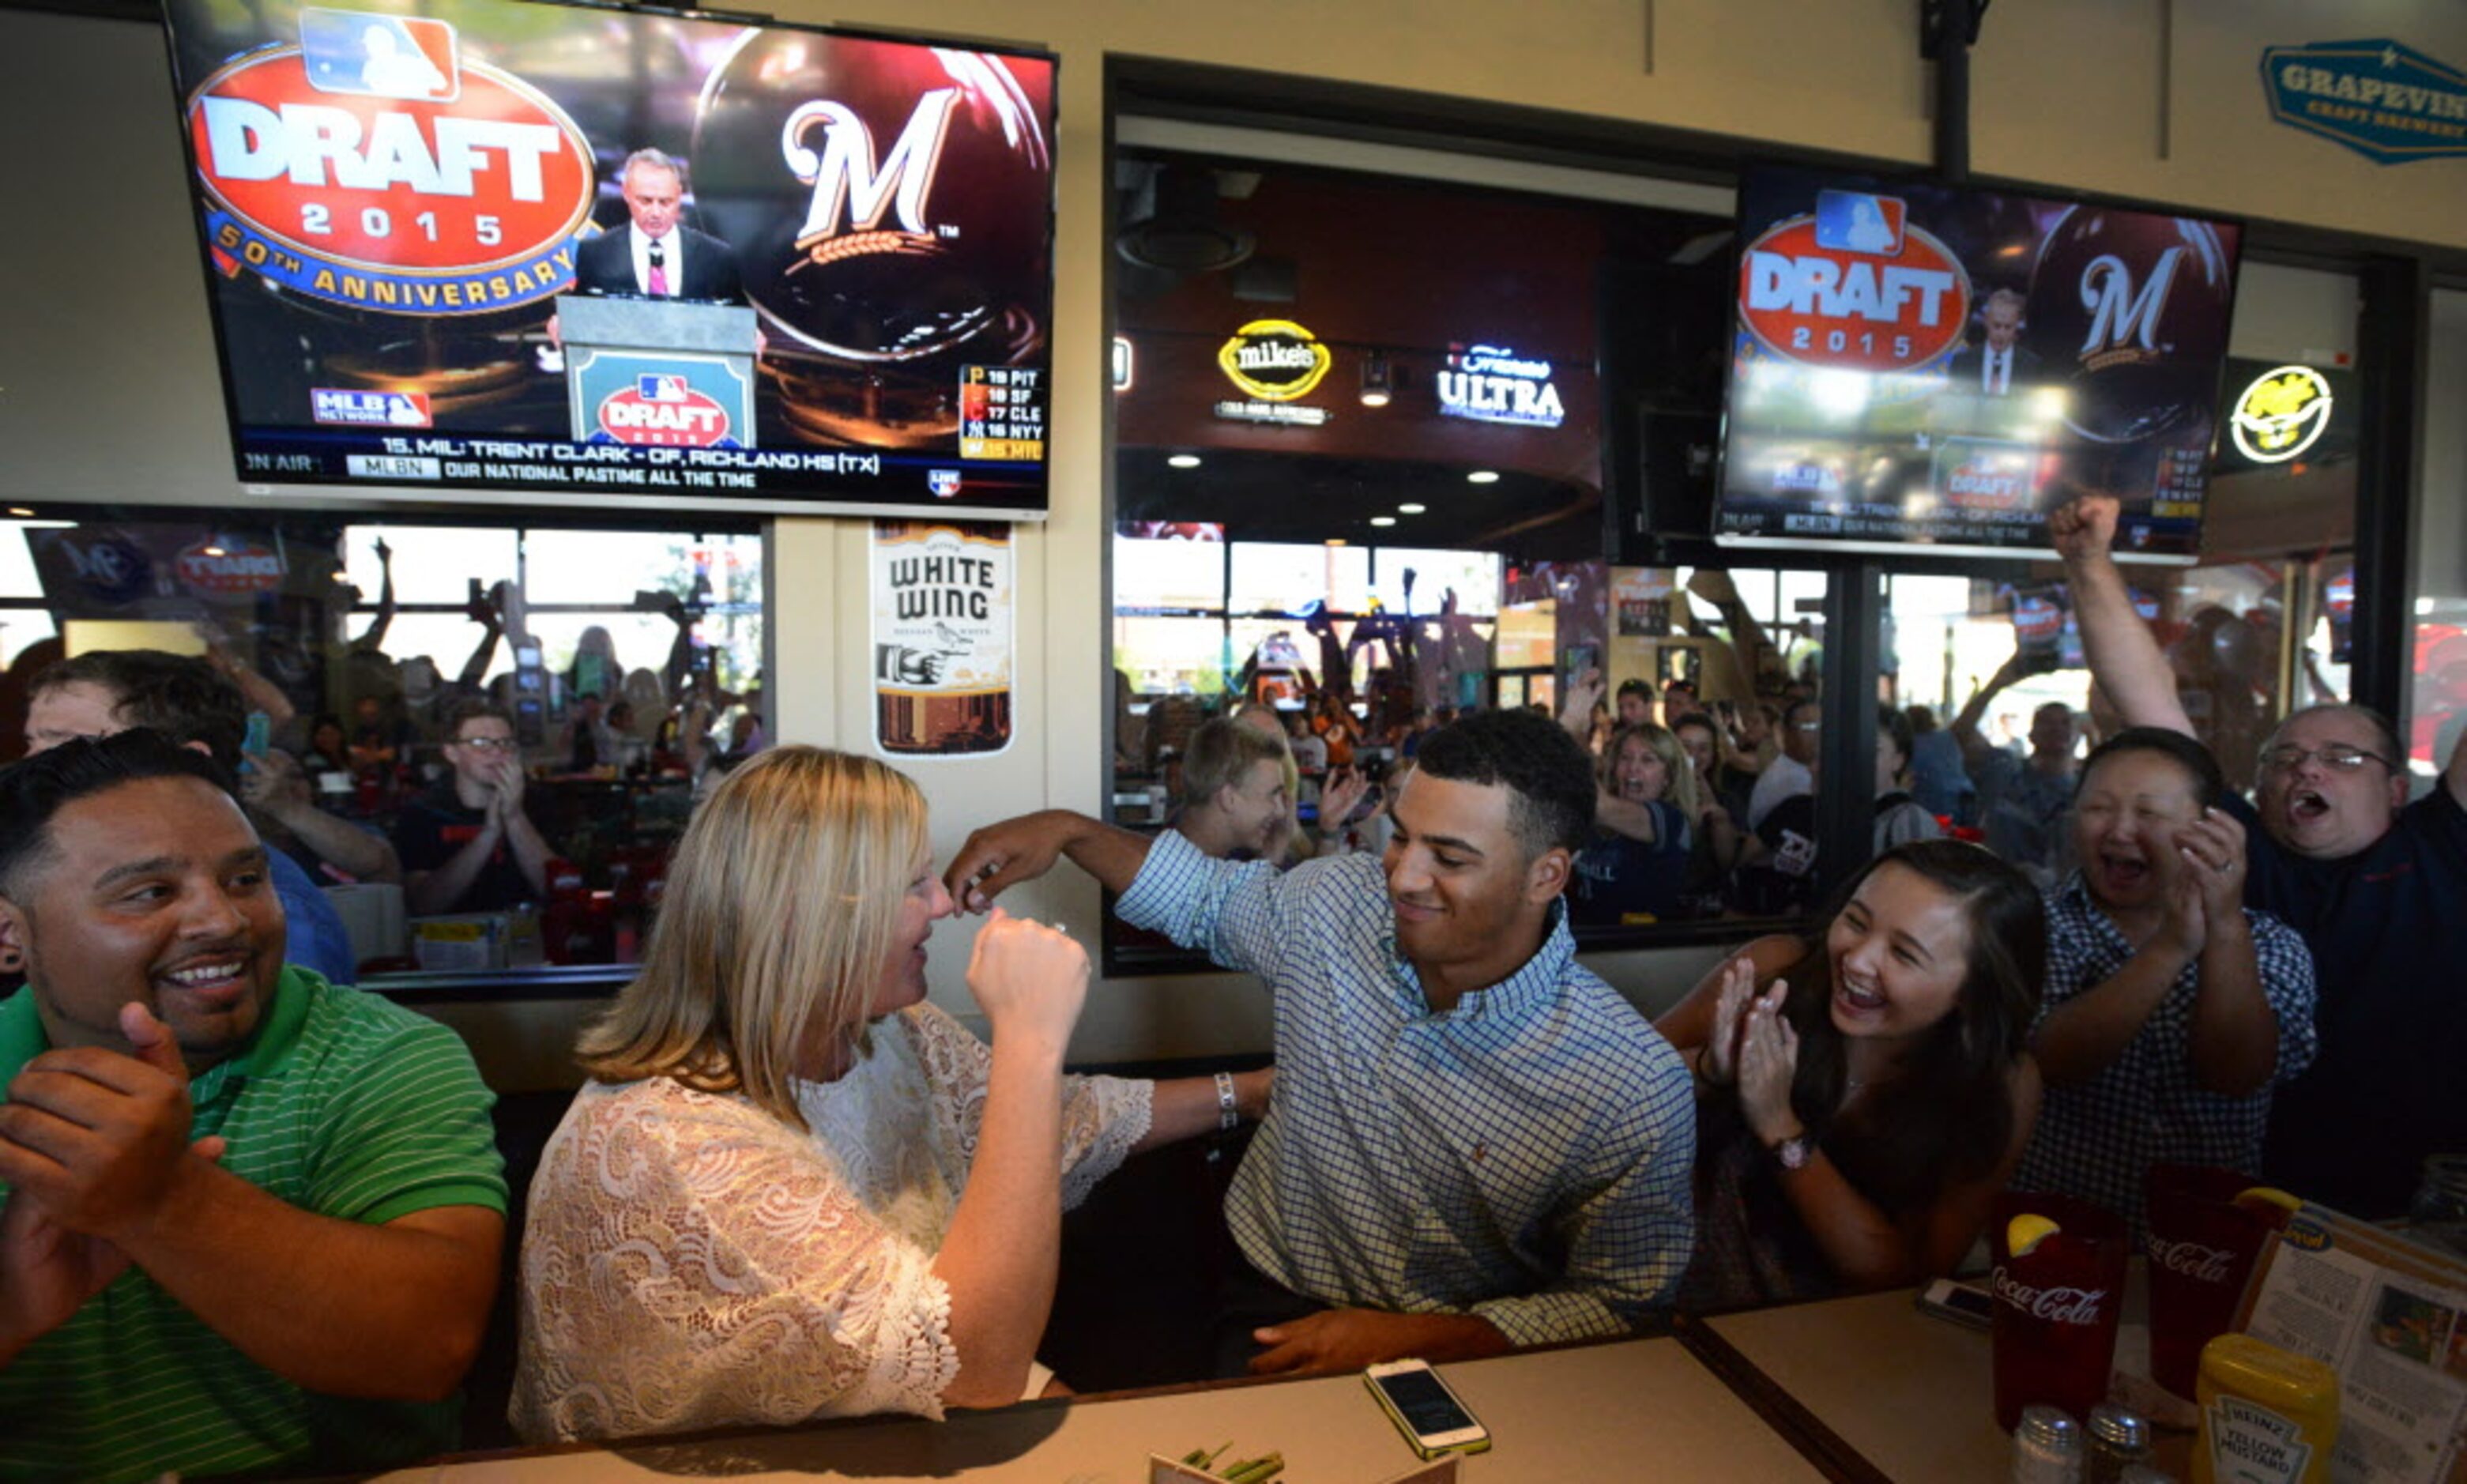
column 1998, row 364
column 655, row 255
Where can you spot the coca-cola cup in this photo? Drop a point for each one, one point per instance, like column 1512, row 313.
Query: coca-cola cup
column 2053, row 1329
column 2202, row 1248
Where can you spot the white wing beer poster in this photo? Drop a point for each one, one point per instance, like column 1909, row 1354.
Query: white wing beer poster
column 942, row 605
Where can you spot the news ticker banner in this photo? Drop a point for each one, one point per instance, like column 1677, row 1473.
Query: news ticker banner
column 944, row 599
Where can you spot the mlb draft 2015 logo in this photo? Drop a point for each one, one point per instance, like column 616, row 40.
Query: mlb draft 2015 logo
column 1854, row 285
column 375, row 166
column 665, row 411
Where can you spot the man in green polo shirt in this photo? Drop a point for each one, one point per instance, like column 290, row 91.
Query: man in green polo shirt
column 250, row 1219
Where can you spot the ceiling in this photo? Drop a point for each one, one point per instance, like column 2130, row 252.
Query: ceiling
column 1265, row 496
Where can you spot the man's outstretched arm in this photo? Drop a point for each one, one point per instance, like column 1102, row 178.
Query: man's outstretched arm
column 2124, row 657
column 1001, row 856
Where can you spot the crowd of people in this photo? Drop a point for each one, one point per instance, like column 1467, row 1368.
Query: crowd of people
column 791, row 1188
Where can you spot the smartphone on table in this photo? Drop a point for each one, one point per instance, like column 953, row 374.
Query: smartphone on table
column 1424, row 1409
column 1962, row 1303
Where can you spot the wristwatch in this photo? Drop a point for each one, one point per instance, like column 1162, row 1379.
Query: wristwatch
column 1793, row 1151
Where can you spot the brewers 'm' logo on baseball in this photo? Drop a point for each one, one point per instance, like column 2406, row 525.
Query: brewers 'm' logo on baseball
column 1812, row 295
column 457, row 198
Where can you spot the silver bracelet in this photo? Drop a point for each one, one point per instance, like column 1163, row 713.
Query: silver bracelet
column 1228, row 1116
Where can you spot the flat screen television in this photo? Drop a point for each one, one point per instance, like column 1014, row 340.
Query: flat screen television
column 1920, row 365
column 543, row 253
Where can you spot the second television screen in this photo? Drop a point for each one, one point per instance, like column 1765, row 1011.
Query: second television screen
column 1918, row 365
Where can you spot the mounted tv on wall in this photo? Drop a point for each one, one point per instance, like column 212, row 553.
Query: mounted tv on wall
column 1917, row 366
column 559, row 254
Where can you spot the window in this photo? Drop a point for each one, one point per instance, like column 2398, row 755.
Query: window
column 628, row 660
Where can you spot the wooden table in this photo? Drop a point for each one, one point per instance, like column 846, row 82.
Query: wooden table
column 1874, row 1389
column 1880, row 1390
column 1632, row 1410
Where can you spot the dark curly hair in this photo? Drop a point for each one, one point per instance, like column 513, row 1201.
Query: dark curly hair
column 1550, row 776
column 180, row 696
column 37, row 788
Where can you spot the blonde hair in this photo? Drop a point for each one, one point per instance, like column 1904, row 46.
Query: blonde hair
column 782, row 900
column 1663, row 743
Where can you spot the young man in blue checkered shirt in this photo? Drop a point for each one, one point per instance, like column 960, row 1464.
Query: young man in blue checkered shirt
column 1474, row 1144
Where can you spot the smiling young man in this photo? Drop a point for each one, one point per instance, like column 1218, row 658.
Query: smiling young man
column 1233, row 803
column 468, row 844
column 249, row 1221
column 2373, row 883
column 1474, row 1143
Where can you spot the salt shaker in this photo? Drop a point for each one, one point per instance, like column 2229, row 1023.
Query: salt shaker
column 2118, row 1437
column 2046, row 1448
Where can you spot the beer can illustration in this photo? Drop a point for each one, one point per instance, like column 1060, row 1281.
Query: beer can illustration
column 944, row 599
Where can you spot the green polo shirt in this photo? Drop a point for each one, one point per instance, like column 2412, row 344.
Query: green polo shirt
column 343, row 1104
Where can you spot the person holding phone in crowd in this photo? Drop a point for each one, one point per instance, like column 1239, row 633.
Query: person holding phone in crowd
column 793, row 1188
column 2372, row 883
column 2172, row 1009
column 1865, row 1090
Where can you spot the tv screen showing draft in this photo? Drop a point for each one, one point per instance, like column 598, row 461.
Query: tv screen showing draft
column 590, row 255
column 1920, row 365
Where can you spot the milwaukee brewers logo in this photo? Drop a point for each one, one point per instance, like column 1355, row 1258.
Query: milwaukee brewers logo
column 1274, row 360
column 373, row 167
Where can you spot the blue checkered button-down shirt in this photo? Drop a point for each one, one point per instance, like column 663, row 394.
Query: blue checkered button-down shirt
column 2096, row 1139
column 1524, row 1156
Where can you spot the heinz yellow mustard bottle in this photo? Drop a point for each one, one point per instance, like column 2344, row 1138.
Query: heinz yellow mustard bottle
column 2269, row 1415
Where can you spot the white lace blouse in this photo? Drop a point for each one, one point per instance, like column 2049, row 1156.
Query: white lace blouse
column 691, row 1261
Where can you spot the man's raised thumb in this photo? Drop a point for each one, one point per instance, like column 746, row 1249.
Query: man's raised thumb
column 151, row 1040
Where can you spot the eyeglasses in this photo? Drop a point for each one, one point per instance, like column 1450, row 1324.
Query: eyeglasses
column 2338, row 756
column 490, row 744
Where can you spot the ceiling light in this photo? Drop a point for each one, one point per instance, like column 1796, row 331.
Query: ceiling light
column 1411, row 509
column 1483, row 476
column 1335, row 541
column 1383, row 520
column 1183, row 461
column 21, row 512
column 1378, row 383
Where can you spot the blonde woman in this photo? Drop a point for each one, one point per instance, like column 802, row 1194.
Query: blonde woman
column 794, row 1189
column 1645, row 821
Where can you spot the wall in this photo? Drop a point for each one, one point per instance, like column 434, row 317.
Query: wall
column 2153, row 99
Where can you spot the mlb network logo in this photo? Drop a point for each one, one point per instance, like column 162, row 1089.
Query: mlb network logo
column 379, row 55
column 355, row 408
column 660, row 388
